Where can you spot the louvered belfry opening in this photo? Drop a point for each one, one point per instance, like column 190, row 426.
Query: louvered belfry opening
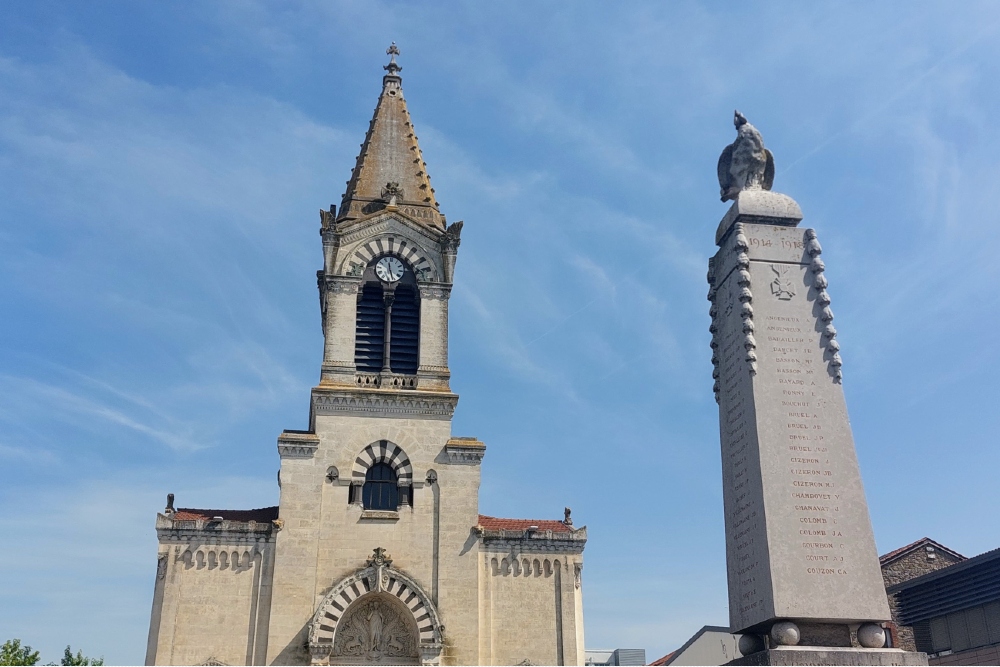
column 404, row 331
column 399, row 319
column 369, row 342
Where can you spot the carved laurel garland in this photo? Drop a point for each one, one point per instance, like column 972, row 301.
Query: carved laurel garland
column 713, row 312
column 746, row 297
column 829, row 338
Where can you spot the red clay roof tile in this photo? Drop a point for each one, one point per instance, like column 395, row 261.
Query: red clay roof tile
column 494, row 523
column 262, row 515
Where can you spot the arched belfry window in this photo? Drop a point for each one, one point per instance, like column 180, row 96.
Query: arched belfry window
column 387, row 334
column 381, row 490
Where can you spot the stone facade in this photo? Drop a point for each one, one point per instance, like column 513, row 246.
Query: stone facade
column 331, row 576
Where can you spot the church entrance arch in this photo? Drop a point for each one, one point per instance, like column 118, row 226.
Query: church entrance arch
column 378, row 615
column 376, row 629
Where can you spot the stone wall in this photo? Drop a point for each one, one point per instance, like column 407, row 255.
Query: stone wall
column 212, row 606
column 325, row 538
column 916, row 563
column 531, row 609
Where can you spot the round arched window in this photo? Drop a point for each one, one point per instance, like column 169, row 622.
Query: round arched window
column 381, row 490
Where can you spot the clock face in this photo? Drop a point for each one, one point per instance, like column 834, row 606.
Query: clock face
column 389, row 269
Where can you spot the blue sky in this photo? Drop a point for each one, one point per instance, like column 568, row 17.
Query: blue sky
column 161, row 169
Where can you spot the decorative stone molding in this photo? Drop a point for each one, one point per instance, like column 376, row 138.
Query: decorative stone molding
column 208, row 532
column 386, row 381
column 386, row 452
column 379, row 595
column 452, row 237
column 385, row 403
column 327, row 220
column 436, row 291
column 388, row 235
column 829, row 338
column 464, row 451
column 534, row 541
column 342, row 284
column 380, row 515
column 297, row 445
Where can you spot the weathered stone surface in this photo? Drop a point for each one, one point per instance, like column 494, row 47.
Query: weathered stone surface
column 803, row 655
column 762, row 207
column 799, row 538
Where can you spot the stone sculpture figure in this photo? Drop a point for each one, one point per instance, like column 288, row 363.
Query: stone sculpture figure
column 374, row 629
column 745, row 164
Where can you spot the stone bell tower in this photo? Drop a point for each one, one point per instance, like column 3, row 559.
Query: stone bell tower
column 378, row 457
column 376, row 553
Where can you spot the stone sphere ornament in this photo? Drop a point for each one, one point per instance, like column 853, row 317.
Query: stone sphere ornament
column 749, row 644
column 785, row 633
column 871, row 635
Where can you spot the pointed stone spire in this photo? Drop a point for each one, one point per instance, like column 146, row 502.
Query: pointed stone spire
column 391, row 171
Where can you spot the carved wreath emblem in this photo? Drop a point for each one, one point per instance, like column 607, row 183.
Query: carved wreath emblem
column 782, row 286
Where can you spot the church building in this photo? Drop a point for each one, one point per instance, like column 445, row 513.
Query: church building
column 376, row 552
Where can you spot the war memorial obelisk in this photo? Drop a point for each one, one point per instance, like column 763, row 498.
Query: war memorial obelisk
column 805, row 585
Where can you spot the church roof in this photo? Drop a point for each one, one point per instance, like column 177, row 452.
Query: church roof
column 494, row 523
column 922, row 543
column 390, row 165
column 261, row 515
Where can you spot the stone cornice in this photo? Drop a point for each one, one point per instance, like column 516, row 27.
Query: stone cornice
column 294, row 444
column 436, row 291
column 534, row 541
column 358, row 229
column 208, row 531
column 342, row 284
column 383, row 403
column 464, row 451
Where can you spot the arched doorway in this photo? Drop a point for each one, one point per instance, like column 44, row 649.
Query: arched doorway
column 376, row 629
column 376, row 616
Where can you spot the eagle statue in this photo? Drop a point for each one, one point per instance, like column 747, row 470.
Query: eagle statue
column 745, row 164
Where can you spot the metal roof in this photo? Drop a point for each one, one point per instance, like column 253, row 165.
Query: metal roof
column 970, row 583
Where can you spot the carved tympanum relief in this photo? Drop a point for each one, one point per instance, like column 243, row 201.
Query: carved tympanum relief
column 375, row 631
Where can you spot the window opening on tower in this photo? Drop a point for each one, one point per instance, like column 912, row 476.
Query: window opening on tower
column 387, row 332
column 370, row 332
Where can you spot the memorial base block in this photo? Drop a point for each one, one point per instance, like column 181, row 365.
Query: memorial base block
column 827, row 655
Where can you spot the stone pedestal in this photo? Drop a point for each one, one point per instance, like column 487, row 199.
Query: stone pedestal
column 799, row 541
column 808, row 655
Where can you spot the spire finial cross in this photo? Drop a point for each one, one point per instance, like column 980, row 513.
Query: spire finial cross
column 392, row 67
